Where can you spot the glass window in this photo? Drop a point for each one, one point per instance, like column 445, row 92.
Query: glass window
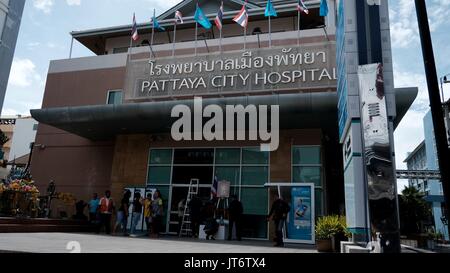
column 184, row 174
column 228, row 156
column 308, row 175
column 230, row 174
column 255, row 176
column 253, row 156
column 161, row 157
column 194, row 157
column 307, row 156
column 159, row 175
column 115, row 97
column 255, row 201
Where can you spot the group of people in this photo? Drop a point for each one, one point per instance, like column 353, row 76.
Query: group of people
column 102, row 209
column 206, row 214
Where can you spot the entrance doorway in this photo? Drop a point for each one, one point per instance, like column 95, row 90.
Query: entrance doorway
column 189, row 164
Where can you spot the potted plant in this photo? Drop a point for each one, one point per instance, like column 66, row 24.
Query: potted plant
column 342, row 234
column 326, row 228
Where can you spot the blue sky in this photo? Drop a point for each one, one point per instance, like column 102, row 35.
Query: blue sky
column 46, row 24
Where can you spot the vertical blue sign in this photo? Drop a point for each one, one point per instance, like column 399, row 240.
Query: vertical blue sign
column 300, row 226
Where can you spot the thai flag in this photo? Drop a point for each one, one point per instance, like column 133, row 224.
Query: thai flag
column 302, row 7
column 242, row 17
column 134, row 30
column 179, row 17
column 219, row 18
column 214, row 188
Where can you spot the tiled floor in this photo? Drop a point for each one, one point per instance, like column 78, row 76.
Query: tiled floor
column 61, row 242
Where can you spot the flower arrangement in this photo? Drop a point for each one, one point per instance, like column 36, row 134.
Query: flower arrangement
column 20, row 185
column 67, row 198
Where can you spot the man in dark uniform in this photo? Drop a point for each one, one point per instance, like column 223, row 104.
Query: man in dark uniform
column 279, row 213
column 235, row 212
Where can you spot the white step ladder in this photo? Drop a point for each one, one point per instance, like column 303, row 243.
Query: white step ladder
column 186, row 225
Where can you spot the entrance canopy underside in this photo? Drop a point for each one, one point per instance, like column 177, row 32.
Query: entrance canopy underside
column 104, row 122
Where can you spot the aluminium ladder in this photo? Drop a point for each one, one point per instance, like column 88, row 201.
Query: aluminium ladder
column 186, row 225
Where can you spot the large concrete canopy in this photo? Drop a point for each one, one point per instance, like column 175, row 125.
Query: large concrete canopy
column 104, row 122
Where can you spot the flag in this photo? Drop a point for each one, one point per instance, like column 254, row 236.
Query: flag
column 302, row 7
column 242, row 17
column 134, row 30
column 324, row 8
column 270, row 10
column 201, row 18
column 214, row 188
column 178, row 17
column 156, row 24
column 219, row 17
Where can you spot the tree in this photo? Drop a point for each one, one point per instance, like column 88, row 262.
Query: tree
column 414, row 211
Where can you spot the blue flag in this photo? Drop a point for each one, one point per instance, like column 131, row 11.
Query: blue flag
column 156, row 24
column 201, row 18
column 324, row 8
column 270, row 10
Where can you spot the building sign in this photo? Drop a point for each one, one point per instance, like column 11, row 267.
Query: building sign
column 259, row 70
column 223, row 189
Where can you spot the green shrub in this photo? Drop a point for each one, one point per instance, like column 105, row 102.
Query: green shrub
column 329, row 226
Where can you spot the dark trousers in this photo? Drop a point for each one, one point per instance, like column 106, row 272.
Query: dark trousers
column 105, row 221
column 195, row 224
column 156, row 224
column 238, row 224
column 279, row 225
column 92, row 217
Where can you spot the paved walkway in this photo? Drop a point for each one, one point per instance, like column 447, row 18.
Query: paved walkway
column 58, row 243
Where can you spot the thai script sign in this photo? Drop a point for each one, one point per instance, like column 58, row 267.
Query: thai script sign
column 251, row 71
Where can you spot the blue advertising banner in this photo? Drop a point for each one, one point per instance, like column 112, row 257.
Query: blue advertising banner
column 300, row 224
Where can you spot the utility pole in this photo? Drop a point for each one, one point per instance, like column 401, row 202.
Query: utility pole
column 443, row 152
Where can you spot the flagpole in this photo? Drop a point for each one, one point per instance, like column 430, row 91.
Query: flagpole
column 174, row 38
column 220, row 41
column 153, row 33
column 299, row 27
column 196, row 34
column 220, row 31
column 245, row 38
column 131, row 48
column 270, row 32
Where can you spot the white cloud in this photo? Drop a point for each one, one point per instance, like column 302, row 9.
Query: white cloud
column 43, row 5
column 73, row 2
column 23, row 73
column 404, row 28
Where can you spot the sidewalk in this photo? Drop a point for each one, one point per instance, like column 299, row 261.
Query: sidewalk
column 58, row 242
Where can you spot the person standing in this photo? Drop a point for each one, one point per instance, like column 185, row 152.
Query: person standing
column 157, row 210
column 137, row 212
column 279, row 213
column 181, row 209
column 93, row 208
column 236, row 210
column 148, row 212
column 195, row 207
column 122, row 213
column 106, row 211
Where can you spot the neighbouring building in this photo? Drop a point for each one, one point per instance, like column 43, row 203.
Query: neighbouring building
column 424, row 157
column 105, row 121
column 21, row 132
column 10, row 18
